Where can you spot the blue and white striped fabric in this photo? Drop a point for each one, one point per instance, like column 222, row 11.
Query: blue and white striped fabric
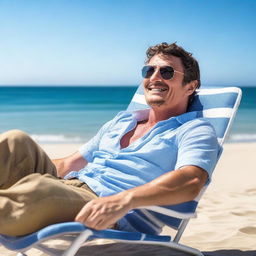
column 219, row 106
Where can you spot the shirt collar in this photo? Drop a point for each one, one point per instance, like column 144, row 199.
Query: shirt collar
column 142, row 114
column 188, row 116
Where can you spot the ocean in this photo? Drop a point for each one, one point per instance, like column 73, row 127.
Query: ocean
column 73, row 114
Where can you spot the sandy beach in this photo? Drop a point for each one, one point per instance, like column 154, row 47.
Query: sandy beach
column 226, row 222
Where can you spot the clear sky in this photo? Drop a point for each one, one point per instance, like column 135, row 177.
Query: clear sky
column 103, row 42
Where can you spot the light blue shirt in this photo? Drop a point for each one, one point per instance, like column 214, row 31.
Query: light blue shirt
column 169, row 145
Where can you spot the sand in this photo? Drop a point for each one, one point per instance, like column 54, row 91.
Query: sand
column 226, row 222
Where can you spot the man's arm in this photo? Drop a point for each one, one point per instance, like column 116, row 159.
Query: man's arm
column 78, row 160
column 173, row 187
column 75, row 162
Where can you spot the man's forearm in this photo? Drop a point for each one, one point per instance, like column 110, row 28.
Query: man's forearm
column 171, row 188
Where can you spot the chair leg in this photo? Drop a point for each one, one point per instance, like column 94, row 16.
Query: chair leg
column 173, row 245
column 75, row 246
column 21, row 254
column 184, row 248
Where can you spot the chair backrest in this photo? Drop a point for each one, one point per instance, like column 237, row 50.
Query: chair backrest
column 219, row 106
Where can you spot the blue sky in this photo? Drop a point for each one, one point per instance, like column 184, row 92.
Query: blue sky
column 103, row 42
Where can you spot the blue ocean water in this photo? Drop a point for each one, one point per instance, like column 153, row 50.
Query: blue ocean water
column 74, row 114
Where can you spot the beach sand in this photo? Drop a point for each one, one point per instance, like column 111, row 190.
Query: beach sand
column 226, row 222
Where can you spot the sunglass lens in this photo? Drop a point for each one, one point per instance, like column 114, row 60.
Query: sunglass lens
column 147, row 71
column 167, row 72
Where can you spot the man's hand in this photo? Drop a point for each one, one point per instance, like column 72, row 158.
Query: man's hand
column 75, row 162
column 103, row 212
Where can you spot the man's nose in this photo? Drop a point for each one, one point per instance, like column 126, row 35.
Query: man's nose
column 156, row 76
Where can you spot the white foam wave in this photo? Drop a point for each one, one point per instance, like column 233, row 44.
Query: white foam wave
column 60, row 138
column 56, row 138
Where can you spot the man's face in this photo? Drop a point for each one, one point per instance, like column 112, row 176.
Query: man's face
column 166, row 94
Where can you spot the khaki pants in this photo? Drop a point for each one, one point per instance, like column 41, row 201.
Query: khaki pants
column 31, row 196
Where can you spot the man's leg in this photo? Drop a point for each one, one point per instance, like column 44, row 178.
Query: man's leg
column 20, row 156
column 40, row 200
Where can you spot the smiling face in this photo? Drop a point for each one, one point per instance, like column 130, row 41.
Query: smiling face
column 171, row 95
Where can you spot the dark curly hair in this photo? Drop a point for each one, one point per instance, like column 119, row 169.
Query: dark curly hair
column 190, row 64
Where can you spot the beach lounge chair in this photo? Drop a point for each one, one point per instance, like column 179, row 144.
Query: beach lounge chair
column 218, row 105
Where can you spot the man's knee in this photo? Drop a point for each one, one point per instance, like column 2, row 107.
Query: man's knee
column 15, row 138
column 15, row 145
column 15, row 135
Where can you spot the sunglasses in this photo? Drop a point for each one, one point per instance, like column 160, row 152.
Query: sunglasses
column 167, row 72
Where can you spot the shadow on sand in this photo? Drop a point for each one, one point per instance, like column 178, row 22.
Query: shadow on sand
column 149, row 250
column 121, row 249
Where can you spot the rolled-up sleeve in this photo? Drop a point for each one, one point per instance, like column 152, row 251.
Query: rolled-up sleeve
column 198, row 146
column 92, row 145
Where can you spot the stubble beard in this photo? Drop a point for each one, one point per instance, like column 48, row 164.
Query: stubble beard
column 156, row 103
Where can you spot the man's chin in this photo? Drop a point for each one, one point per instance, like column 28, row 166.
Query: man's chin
column 155, row 103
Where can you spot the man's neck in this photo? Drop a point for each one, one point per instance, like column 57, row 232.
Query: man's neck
column 157, row 116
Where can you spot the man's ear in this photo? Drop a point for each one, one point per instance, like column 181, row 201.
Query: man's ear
column 191, row 87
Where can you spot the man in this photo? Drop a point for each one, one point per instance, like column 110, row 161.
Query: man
column 160, row 156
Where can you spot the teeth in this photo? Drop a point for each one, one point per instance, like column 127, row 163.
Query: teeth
column 157, row 89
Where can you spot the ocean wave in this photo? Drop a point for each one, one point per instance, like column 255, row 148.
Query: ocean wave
column 61, row 138
column 242, row 137
column 56, row 138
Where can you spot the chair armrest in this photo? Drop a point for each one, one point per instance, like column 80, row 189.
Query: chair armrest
column 169, row 212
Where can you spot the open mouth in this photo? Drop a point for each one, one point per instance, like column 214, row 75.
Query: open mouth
column 157, row 89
